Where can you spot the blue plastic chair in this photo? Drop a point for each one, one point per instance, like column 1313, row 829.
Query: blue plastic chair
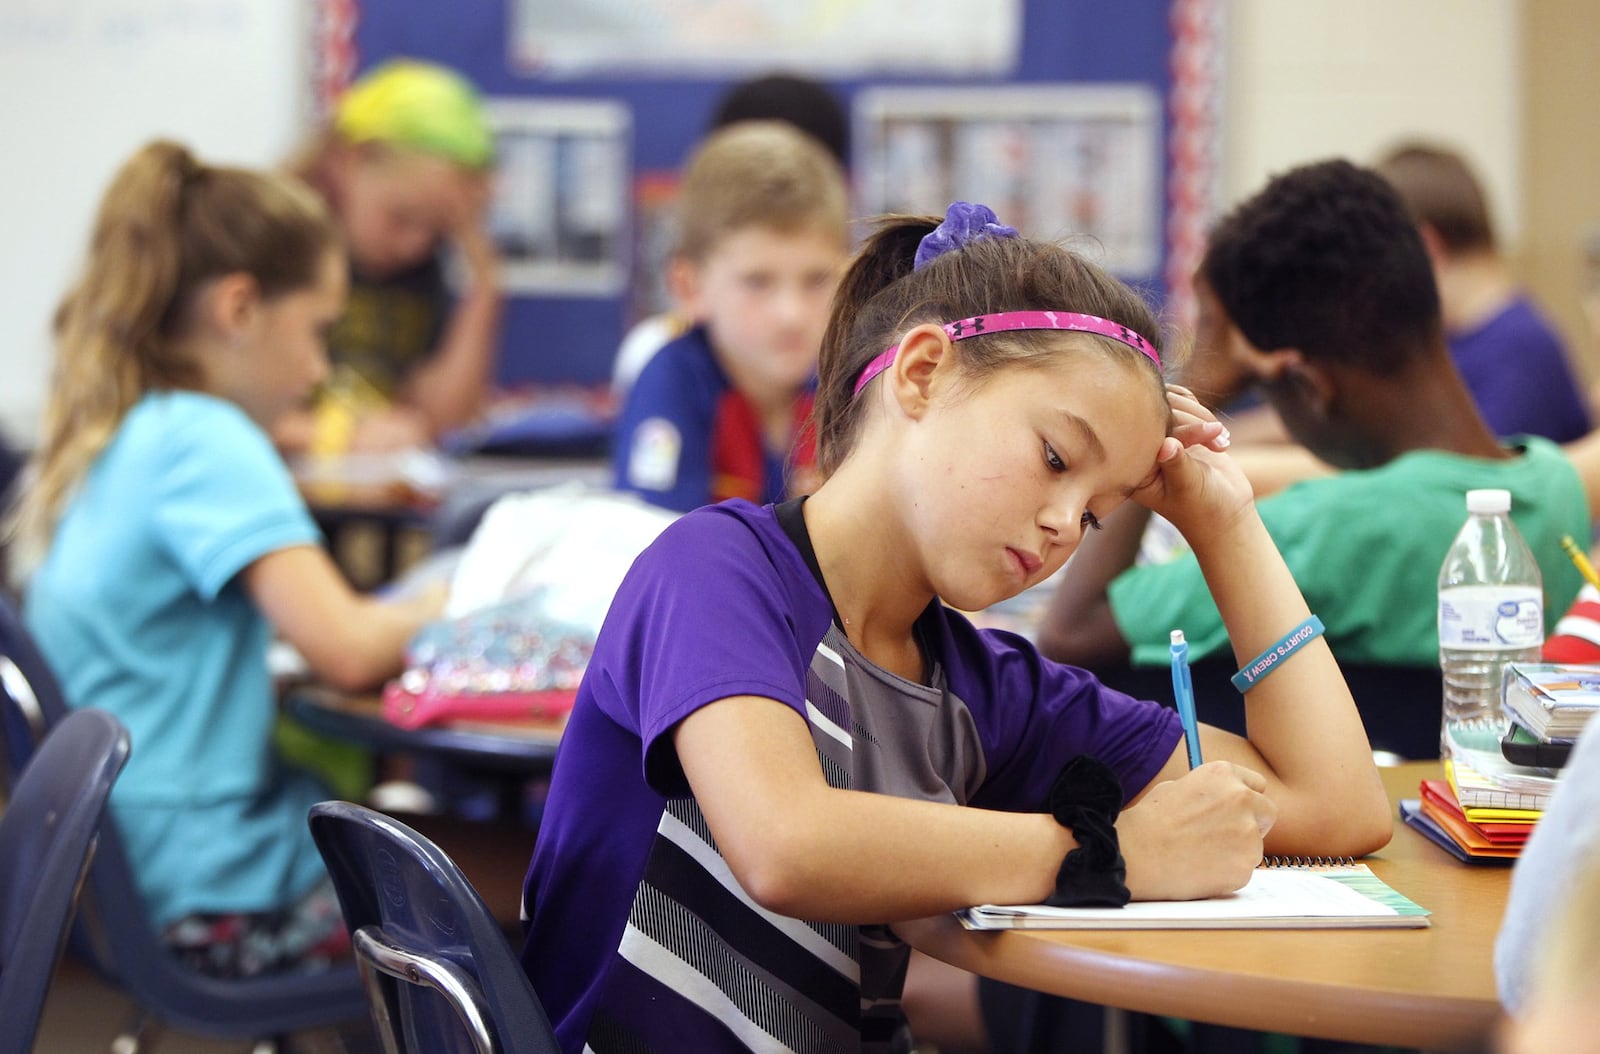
column 114, row 933
column 440, row 973
column 47, row 838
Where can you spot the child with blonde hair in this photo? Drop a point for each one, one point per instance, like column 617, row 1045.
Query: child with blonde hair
column 789, row 746
column 163, row 542
column 404, row 166
column 720, row 412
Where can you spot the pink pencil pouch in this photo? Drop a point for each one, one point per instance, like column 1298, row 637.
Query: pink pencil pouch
column 510, row 662
column 408, row 709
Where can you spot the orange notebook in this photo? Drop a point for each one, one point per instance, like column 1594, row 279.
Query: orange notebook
column 1467, row 837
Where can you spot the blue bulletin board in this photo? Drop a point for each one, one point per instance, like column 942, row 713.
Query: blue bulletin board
column 558, row 334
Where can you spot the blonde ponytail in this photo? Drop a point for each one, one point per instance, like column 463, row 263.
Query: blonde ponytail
column 166, row 225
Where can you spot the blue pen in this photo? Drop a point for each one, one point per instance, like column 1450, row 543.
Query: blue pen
column 1183, row 692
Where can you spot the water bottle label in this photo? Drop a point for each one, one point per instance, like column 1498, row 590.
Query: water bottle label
column 1491, row 618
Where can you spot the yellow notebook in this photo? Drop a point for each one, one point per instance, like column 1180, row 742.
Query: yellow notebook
column 1508, row 795
column 1292, row 896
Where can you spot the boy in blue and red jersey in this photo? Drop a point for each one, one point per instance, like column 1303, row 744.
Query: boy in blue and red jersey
column 720, row 412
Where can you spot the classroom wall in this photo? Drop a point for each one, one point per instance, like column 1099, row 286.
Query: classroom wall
column 1559, row 252
column 1316, row 78
column 1305, row 80
column 1511, row 83
column 84, row 82
column 555, row 337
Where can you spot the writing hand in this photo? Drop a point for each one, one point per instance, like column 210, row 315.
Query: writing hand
column 1197, row 836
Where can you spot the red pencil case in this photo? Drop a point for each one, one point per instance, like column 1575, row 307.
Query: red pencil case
column 429, row 707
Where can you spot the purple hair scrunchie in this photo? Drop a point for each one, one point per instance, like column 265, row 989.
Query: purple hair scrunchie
column 964, row 222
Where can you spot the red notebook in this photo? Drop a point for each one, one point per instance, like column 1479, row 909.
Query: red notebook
column 1438, row 798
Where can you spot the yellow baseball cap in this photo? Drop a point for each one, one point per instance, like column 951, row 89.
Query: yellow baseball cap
column 420, row 105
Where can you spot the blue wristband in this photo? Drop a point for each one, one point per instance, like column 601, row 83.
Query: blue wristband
column 1267, row 661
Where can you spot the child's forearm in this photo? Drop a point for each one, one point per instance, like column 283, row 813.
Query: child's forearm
column 1300, row 716
column 882, row 858
column 378, row 641
column 803, row 848
column 1255, row 592
column 449, row 389
column 349, row 640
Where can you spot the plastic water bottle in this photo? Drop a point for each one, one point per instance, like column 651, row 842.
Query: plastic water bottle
column 1491, row 614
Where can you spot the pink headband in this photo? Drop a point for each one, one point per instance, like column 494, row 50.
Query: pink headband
column 1006, row 320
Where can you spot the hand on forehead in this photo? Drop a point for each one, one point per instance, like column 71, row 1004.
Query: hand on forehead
column 1192, row 423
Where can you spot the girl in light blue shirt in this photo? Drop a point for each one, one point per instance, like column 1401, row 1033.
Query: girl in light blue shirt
column 163, row 542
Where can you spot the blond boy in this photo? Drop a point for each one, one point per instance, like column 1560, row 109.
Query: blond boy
column 720, row 412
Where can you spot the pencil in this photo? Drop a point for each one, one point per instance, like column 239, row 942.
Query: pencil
column 1580, row 560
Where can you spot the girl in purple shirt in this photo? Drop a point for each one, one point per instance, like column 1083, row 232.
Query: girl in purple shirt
column 788, row 749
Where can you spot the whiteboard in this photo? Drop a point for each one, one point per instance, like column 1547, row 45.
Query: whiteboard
column 86, row 82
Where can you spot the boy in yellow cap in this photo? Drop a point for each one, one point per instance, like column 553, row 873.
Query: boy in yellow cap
column 404, row 165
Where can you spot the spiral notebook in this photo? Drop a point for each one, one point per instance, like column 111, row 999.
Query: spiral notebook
column 1280, row 895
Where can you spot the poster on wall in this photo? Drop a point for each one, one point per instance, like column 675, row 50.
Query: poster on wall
column 1080, row 164
column 821, row 37
column 560, row 204
column 655, row 235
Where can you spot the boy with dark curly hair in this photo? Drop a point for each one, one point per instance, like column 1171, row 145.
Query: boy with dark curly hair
column 1318, row 292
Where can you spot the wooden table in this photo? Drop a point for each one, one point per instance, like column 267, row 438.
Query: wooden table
column 1428, row 988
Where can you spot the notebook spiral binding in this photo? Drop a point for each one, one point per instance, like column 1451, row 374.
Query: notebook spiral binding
column 1308, row 861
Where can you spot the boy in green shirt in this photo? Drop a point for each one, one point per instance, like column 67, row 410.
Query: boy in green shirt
column 1318, row 291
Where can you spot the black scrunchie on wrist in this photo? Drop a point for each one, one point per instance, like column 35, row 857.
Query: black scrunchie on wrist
column 1087, row 796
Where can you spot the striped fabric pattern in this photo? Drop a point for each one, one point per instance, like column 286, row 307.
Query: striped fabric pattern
column 700, row 956
column 1576, row 637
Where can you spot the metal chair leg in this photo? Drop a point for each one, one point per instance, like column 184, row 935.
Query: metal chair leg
column 137, row 1033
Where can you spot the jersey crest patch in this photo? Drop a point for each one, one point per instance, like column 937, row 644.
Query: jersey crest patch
column 653, row 458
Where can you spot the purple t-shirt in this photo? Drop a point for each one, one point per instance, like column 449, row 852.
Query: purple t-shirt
column 1519, row 375
column 638, row 935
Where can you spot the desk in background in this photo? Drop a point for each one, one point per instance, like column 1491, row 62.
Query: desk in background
column 1430, row 988
column 523, row 748
column 492, row 852
column 378, row 512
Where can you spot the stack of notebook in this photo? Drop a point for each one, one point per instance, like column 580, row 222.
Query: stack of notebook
column 1485, row 811
column 1553, row 701
column 1480, row 817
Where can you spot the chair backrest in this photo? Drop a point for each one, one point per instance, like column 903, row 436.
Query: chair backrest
column 47, row 835
column 114, row 933
column 33, row 700
column 440, row 973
